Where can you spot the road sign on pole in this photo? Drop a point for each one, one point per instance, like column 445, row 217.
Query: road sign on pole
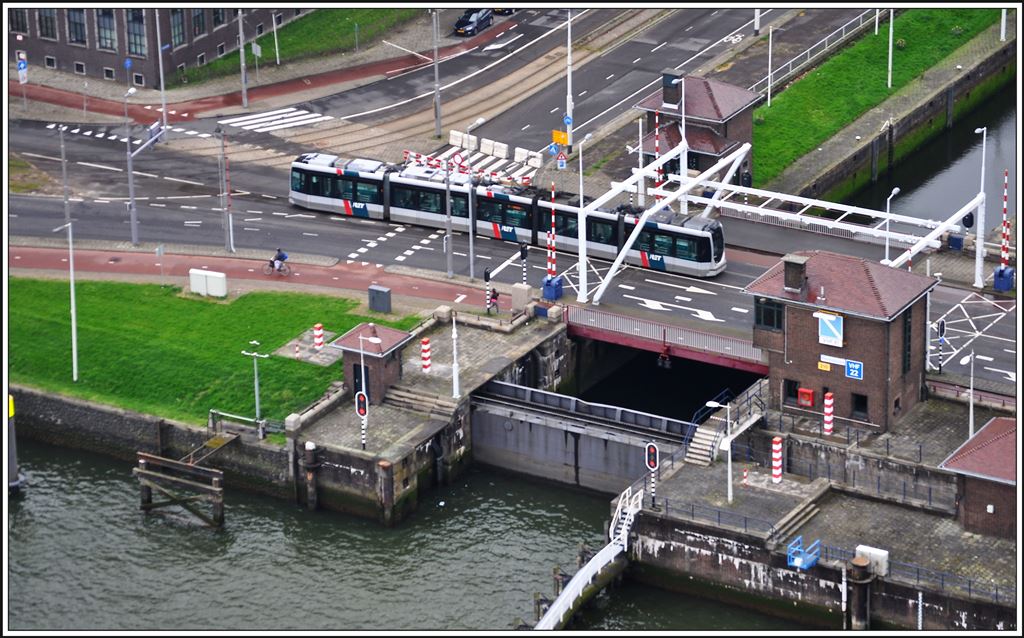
column 561, row 161
column 22, row 71
column 553, row 149
column 361, row 403
column 559, row 137
column 128, row 63
column 568, row 120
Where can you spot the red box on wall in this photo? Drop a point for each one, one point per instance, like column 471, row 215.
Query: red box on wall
column 805, row 397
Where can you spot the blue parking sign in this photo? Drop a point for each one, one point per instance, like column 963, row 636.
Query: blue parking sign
column 855, row 370
column 127, row 63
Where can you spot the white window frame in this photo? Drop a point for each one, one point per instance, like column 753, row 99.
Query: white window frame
column 201, row 59
column 46, row 62
column 139, row 79
column 75, row 67
column 113, row 74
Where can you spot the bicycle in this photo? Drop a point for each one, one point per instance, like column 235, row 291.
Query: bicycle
column 268, row 268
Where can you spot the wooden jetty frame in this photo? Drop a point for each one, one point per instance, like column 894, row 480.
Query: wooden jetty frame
column 175, row 479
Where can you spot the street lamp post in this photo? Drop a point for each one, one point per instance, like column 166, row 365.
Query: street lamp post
column 970, row 421
column 889, row 80
column 470, row 194
column 365, row 418
column 894, row 193
column 581, row 232
column 448, row 217
column 455, row 360
column 728, row 438
column 131, row 176
column 568, row 79
column 979, row 244
column 685, row 157
column 74, row 324
column 770, row 29
column 160, row 57
column 256, row 374
column 437, row 82
column 241, row 59
column 225, row 199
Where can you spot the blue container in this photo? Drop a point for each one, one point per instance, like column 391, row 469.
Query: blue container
column 552, row 289
column 1003, row 279
column 956, row 242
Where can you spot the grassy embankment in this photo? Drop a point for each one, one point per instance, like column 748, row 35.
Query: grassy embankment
column 23, row 177
column 853, row 81
column 151, row 349
column 320, row 32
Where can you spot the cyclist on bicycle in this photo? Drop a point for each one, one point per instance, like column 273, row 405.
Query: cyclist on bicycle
column 279, row 259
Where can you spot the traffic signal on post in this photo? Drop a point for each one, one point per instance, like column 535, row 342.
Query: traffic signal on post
column 651, row 456
column 523, row 249
column 968, row 220
column 361, row 403
column 487, row 275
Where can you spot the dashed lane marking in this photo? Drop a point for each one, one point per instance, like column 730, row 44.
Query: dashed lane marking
column 742, row 310
column 460, row 298
column 311, row 234
column 247, row 228
column 56, row 159
column 106, row 168
column 183, row 181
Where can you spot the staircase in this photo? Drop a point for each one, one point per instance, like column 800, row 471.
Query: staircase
column 800, row 514
column 407, row 398
column 701, row 450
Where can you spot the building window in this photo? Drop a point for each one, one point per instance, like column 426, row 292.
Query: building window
column 139, row 79
column 201, row 59
column 136, row 26
column 860, row 407
column 105, row 30
column 80, row 68
column 218, row 18
column 907, row 333
column 278, row 18
column 76, row 26
column 768, row 313
column 220, row 49
column 789, row 391
column 177, row 27
column 47, row 23
column 50, row 62
column 259, row 29
column 181, row 68
column 108, row 73
column 19, row 20
column 198, row 22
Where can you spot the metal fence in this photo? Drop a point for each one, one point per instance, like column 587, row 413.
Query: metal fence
column 718, row 517
column 837, row 37
column 663, row 333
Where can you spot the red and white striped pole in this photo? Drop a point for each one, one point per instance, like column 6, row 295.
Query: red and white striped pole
column 744, row 477
column 777, row 459
column 829, row 409
column 318, row 336
column 1004, row 255
column 552, row 260
column 657, row 153
column 297, row 355
column 425, row 354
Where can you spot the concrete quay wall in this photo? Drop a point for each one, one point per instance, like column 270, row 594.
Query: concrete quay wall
column 685, row 556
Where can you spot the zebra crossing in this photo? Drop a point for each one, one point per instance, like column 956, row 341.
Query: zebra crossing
column 275, row 120
column 479, row 163
column 113, row 133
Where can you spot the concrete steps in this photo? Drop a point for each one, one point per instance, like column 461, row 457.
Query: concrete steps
column 796, row 522
column 701, row 450
column 415, row 400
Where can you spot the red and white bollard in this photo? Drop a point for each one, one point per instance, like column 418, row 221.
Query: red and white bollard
column 318, row 336
column 777, row 459
column 425, row 354
column 1004, row 253
column 297, row 355
column 829, row 411
column 744, row 477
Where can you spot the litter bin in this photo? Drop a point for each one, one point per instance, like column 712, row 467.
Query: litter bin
column 552, row 288
column 1003, row 281
column 956, row 242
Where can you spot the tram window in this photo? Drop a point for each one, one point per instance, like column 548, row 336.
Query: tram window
column 643, row 242
column 703, row 249
column 430, row 201
column 663, row 245
column 459, row 208
column 489, row 211
column 367, row 193
column 686, row 248
column 516, row 215
column 298, row 181
column 565, row 225
column 601, row 232
column 403, row 197
column 316, row 185
column 343, row 188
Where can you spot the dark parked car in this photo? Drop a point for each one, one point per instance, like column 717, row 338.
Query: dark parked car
column 504, row 12
column 474, row 21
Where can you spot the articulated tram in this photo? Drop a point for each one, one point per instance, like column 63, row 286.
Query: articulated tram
column 416, row 195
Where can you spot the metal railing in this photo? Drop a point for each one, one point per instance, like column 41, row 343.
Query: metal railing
column 981, row 397
column 663, row 333
column 719, row 518
column 804, row 224
column 830, row 41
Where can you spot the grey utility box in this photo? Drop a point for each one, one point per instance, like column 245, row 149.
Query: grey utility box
column 380, row 299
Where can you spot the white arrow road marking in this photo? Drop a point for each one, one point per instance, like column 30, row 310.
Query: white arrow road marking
column 494, row 47
column 1010, row 375
column 661, row 305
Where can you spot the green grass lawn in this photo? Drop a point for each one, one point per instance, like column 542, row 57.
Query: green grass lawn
column 853, row 81
column 146, row 348
column 320, row 32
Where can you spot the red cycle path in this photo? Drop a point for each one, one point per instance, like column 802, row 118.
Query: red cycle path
column 354, row 276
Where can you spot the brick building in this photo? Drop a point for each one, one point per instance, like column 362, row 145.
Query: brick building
column 719, row 118
column 95, row 43
column 846, row 325
column 379, row 350
column 986, row 468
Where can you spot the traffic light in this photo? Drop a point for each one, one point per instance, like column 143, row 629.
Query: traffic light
column 523, row 249
column 651, row 456
column 361, row 403
column 487, row 275
column 968, row 220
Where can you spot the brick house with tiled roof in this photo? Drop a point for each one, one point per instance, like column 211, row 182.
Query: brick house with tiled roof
column 846, row 325
column 379, row 350
column 986, row 468
column 719, row 118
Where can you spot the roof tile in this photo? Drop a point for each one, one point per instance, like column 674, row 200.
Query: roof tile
column 990, row 453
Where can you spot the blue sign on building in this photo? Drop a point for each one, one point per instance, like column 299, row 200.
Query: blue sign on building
column 855, row 370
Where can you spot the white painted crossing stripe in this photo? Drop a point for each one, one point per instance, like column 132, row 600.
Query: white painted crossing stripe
column 178, row 129
column 981, row 357
column 107, row 168
column 444, row 155
column 191, row 132
column 204, row 135
column 625, row 287
column 743, row 310
column 311, row 234
column 87, row 133
column 276, row 127
column 460, row 298
column 246, row 117
column 521, row 171
column 144, row 174
column 247, row 228
column 400, row 258
column 158, row 205
column 183, row 181
column 553, row 110
column 253, row 219
column 263, row 121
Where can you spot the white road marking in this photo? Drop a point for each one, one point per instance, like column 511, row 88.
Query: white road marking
column 246, row 117
column 582, row 93
column 636, row 60
column 522, row 129
column 625, row 287
column 400, row 258
column 255, row 212
column 198, row 221
column 247, row 228
column 311, row 234
column 981, row 357
column 253, row 219
column 460, row 298
column 610, row 76
column 661, row 305
column 1010, row 375
column 743, row 310
column 101, row 201
column 187, row 207
column 553, row 110
column 302, row 215
column 107, row 168
column 183, row 181
column 658, row 47
column 158, row 205
column 143, row 174
column 56, row 159
column 268, row 196
column 353, row 255
column 682, row 298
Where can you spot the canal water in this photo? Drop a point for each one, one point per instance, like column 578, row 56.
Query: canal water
column 81, row 556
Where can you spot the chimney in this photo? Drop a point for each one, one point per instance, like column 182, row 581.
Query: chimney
column 670, row 92
column 795, row 273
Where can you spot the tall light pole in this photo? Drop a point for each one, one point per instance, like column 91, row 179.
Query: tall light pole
column 448, row 217
column 455, row 360
column 894, row 193
column 225, row 200
column 470, row 194
column 437, row 85
column 74, row 325
column 64, row 176
column 365, row 417
column 685, row 157
column 568, row 79
column 273, row 22
column 131, row 176
column 160, row 57
column 256, row 373
column 757, row 22
column 728, row 437
column 979, row 244
column 963, row 361
column 888, row 83
column 241, row 59
column 770, row 29
column 581, row 232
